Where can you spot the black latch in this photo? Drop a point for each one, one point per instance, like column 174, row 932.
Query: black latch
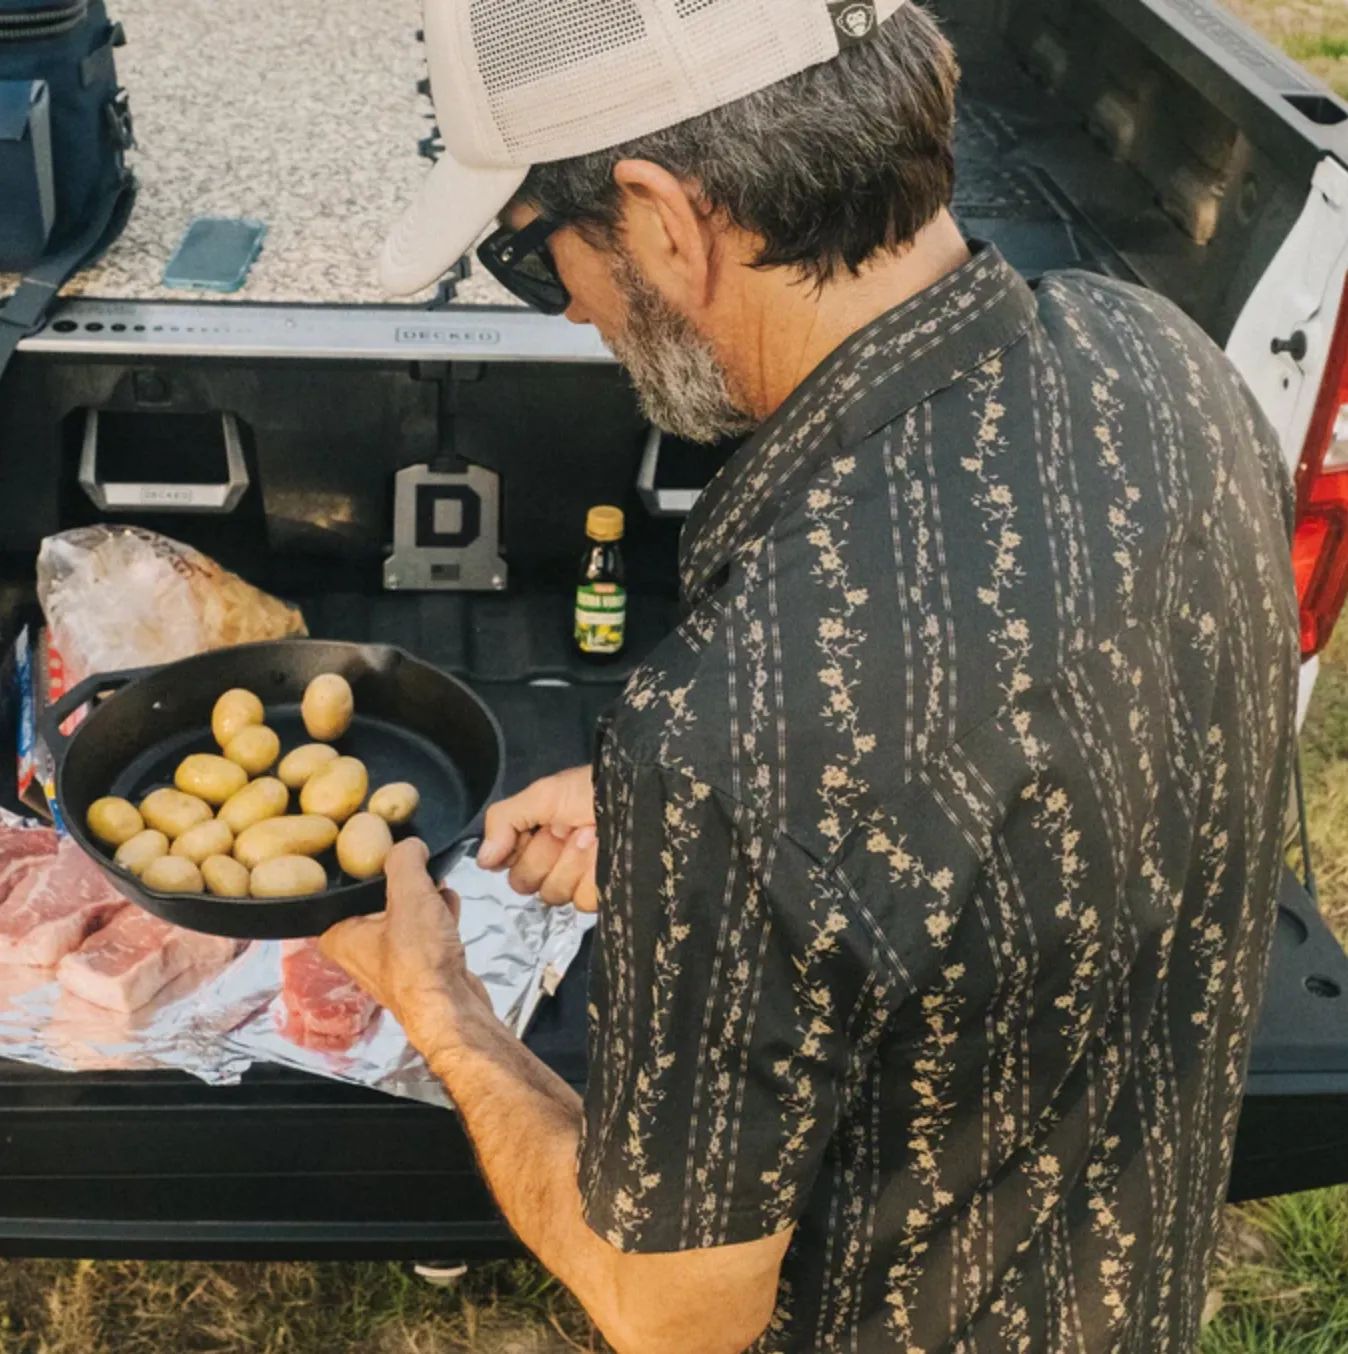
column 447, row 289
column 1295, row 347
column 117, row 111
column 424, row 86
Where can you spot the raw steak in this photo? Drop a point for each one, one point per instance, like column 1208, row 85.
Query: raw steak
column 57, row 905
column 134, row 957
column 21, row 847
column 324, row 1008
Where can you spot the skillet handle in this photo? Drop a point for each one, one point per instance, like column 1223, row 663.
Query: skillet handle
column 89, row 689
column 439, row 866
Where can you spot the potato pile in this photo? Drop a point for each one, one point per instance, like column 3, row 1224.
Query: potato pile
column 226, row 826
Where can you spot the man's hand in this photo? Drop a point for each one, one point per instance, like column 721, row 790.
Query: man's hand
column 410, row 959
column 546, row 837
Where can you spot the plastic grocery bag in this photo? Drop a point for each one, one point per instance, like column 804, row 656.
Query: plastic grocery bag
column 119, row 597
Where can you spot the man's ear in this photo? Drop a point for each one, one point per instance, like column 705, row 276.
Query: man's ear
column 668, row 234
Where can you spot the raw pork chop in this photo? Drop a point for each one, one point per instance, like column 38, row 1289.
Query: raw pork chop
column 324, row 1008
column 57, row 905
column 134, row 957
column 21, row 847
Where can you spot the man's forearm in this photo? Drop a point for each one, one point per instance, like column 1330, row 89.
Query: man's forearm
column 524, row 1122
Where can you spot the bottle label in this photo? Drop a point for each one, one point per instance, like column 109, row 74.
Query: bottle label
column 601, row 618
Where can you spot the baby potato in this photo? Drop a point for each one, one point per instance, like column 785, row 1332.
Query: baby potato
column 288, row 877
column 338, row 790
column 172, row 812
column 264, row 798
column 173, row 874
column 363, row 846
column 114, row 821
column 210, row 778
column 206, row 839
column 233, row 713
column 255, row 749
column 144, row 847
column 395, row 804
column 305, row 835
column 327, row 707
column 225, row 877
column 297, row 767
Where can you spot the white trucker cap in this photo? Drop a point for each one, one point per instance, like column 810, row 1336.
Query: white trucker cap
column 522, row 82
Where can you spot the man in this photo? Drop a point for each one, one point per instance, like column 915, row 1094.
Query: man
column 937, row 850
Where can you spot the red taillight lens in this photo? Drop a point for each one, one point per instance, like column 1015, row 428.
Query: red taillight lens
column 1320, row 554
column 1320, row 551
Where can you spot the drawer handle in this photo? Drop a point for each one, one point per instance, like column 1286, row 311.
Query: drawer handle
column 162, row 496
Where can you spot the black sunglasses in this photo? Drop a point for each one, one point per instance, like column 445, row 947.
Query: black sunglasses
column 522, row 263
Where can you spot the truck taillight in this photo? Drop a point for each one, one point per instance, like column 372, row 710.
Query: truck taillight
column 1320, row 551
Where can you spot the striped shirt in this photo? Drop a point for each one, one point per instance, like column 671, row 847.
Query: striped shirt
column 939, row 845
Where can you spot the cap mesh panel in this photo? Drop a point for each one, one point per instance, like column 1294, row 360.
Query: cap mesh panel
column 568, row 76
column 729, row 44
column 517, row 46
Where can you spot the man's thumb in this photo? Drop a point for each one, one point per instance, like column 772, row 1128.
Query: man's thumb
column 342, row 939
column 523, row 812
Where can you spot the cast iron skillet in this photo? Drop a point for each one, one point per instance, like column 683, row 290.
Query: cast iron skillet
column 413, row 722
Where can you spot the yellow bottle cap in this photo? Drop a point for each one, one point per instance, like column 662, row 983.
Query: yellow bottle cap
column 605, row 524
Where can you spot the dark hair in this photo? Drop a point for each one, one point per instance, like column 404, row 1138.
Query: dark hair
column 828, row 167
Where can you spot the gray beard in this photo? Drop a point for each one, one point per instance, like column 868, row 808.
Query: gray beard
column 681, row 385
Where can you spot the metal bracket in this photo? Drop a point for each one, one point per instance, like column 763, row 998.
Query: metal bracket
column 661, row 502
column 446, row 532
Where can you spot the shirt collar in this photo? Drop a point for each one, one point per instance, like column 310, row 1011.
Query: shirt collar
column 892, row 365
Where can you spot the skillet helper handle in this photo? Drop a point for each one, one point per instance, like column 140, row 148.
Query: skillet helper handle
column 88, row 690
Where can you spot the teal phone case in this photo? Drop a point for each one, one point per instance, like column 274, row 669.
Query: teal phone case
column 215, row 254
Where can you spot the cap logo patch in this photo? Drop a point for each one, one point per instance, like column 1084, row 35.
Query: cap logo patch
column 854, row 19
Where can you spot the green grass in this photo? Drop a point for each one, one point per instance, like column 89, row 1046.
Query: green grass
column 1314, row 32
column 1284, row 1280
column 1310, row 48
column 79, row 1307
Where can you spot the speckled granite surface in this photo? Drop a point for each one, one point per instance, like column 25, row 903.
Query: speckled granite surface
column 301, row 113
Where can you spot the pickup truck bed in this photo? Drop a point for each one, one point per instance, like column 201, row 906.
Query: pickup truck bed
column 1064, row 161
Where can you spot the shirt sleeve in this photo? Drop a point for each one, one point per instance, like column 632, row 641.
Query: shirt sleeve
column 732, row 998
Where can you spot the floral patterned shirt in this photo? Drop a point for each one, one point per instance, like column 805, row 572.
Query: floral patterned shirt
column 939, row 845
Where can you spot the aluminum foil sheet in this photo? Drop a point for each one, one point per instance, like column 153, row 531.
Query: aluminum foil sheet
column 43, row 1024
column 519, row 948
column 215, row 1026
